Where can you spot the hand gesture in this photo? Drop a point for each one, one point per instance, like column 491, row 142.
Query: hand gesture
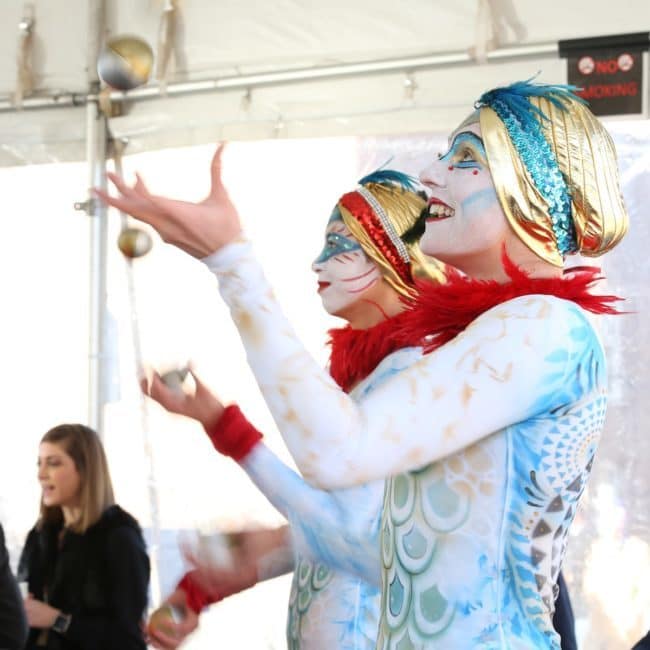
column 196, row 228
column 170, row 635
column 202, row 405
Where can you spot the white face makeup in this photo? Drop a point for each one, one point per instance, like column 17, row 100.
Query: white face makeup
column 58, row 476
column 465, row 216
column 345, row 273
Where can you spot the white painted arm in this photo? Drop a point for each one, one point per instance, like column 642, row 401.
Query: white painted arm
column 508, row 365
column 339, row 530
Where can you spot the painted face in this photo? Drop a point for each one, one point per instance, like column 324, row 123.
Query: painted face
column 58, row 476
column 465, row 216
column 345, row 273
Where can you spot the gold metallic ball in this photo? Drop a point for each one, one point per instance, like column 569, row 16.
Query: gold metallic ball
column 125, row 62
column 134, row 242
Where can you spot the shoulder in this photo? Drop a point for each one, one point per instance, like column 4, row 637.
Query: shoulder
column 32, row 539
column 118, row 528
column 536, row 333
column 115, row 517
column 118, row 540
column 550, row 316
column 537, row 306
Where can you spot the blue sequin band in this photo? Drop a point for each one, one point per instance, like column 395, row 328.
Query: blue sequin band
column 526, row 135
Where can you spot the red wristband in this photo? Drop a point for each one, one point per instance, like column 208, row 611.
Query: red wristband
column 233, row 435
column 196, row 598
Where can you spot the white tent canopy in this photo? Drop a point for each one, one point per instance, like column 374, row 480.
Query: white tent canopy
column 359, row 67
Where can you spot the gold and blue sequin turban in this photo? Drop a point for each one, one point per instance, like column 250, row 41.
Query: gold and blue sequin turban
column 554, row 168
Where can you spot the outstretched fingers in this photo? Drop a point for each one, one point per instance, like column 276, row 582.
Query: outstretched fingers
column 119, row 203
column 140, row 187
column 216, row 186
column 122, row 187
column 200, row 387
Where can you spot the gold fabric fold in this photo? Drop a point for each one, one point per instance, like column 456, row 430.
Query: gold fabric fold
column 586, row 156
column 403, row 208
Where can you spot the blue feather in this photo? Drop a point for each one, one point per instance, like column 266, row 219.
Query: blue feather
column 390, row 177
column 516, row 96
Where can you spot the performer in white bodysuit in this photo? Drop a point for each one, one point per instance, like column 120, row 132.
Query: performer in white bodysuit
column 335, row 594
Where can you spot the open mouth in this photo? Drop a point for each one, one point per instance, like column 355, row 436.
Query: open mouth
column 322, row 286
column 438, row 209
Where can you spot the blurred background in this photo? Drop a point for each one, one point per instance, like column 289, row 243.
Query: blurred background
column 311, row 96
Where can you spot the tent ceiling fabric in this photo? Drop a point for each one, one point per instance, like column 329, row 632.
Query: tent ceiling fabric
column 232, row 37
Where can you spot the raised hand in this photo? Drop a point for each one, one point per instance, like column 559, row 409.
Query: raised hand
column 201, row 405
column 196, row 228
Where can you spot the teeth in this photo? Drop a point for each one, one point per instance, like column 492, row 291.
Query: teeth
column 437, row 210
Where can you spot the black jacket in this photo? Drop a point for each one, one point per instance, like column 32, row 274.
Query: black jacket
column 13, row 626
column 100, row 578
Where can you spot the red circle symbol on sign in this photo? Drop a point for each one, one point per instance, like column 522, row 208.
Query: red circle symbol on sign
column 625, row 62
column 586, row 65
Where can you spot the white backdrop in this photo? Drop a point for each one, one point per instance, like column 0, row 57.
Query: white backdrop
column 285, row 190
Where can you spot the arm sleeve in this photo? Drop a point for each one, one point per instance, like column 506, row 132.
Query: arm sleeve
column 13, row 624
column 504, row 368
column 338, row 529
column 128, row 575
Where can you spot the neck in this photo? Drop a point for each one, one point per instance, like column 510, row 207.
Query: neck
column 71, row 514
column 369, row 313
column 489, row 266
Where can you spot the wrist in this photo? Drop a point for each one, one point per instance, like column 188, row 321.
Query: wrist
column 233, row 435
column 61, row 622
column 195, row 596
column 211, row 417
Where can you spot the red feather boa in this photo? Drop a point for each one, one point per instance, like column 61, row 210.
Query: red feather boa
column 442, row 311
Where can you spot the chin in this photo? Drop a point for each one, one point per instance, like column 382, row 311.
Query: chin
column 434, row 237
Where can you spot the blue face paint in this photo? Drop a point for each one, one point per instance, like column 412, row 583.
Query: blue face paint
column 466, row 152
column 479, row 201
column 335, row 243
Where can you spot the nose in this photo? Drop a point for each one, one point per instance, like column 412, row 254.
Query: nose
column 41, row 473
column 434, row 174
column 316, row 266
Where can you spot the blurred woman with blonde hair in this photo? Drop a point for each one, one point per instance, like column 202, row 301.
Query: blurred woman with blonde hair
column 85, row 560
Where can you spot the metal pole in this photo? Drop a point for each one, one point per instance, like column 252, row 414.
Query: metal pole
column 98, row 227
column 96, row 136
column 96, row 157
